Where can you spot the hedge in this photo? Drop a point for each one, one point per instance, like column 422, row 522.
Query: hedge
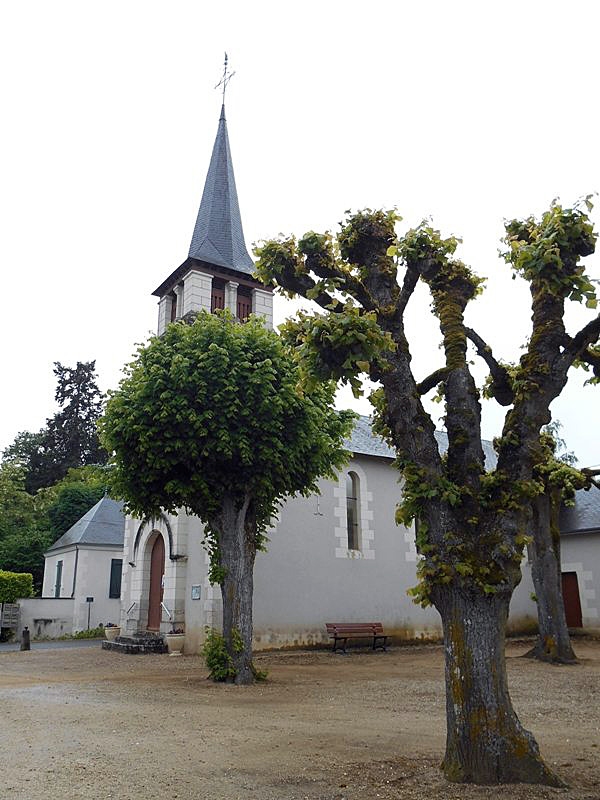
column 14, row 585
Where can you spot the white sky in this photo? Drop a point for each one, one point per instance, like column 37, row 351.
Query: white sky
column 466, row 111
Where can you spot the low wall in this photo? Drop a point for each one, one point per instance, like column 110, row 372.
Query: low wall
column 46, row 617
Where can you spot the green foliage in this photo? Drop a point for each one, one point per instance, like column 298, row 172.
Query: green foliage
column 218, row 661
column 547, row 251
column 14, row 585
column 590, row 360
column 213, row 410
column 259, row 675
column 366, row 237
column 92, row 633
column 24, row 534
column 70, row 438
column 337, row 346
column 557, row 470
column 72, row 502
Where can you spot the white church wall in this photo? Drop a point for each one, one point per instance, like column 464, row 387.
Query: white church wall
column 308, row 577
column 580, row 553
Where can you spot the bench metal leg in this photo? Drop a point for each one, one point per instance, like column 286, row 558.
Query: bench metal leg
column 382, row 645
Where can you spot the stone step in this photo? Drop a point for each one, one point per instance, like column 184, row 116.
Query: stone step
column 137, row 644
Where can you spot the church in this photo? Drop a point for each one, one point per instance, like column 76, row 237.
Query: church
column 337, row 556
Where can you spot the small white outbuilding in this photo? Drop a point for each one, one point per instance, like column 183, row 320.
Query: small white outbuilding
column 82, row 576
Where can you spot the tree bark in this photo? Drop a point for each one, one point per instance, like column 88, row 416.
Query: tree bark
column 553, row 643
column 237, row 553
column 486, row 743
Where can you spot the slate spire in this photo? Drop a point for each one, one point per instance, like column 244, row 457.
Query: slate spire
column 218, row 235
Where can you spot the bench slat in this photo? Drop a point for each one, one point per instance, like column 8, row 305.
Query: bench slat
column 342, row 631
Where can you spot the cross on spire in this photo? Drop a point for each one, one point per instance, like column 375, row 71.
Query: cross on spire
column 225, row 79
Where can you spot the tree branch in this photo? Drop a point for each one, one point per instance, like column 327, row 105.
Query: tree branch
column 501, row 383
column 428, row 383
column 411, row 278
column 350, row 283
column 578, row 344
column 593, row 359
column 592, row 474
column 302, row 284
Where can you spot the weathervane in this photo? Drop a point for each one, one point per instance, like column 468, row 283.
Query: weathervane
column 225, row 79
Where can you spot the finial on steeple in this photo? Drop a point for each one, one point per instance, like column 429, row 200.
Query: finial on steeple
column 225, row 79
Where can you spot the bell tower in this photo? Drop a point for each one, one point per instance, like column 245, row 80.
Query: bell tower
column 218, row 270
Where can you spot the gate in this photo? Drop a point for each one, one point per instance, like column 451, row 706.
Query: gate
column 9, row 615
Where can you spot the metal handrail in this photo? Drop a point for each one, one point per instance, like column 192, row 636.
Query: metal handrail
column 131, row 606
column 169, row 615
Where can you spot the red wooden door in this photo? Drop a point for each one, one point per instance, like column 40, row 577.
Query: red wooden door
column 570, row 590
column 157, row 568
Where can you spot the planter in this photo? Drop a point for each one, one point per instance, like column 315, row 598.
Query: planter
column 175, row 643
column 112, row 633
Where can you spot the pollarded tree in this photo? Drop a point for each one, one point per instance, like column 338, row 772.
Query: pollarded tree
column 210, row 418
column 559, row 480
column 472, row 523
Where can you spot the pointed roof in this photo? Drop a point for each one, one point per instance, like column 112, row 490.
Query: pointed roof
column 103, row 524
column 218, row 235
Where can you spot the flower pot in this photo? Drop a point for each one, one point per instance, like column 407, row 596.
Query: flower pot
column 112, row 632
column 175, row 643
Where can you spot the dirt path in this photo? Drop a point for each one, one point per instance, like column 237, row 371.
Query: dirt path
column 93, row 724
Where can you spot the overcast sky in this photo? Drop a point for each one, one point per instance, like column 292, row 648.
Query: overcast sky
column 469, row 112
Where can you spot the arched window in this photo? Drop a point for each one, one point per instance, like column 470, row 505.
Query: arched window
column 353, row 510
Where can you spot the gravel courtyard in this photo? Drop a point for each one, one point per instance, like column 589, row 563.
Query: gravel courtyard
column 92, row 724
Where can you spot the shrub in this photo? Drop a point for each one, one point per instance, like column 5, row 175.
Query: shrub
column 219, row 662
column 93, row 633
column 14, row 585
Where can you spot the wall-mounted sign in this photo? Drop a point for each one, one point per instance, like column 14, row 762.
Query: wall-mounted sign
column 196, row 592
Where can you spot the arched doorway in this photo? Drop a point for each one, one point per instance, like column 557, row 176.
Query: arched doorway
column 157, row 570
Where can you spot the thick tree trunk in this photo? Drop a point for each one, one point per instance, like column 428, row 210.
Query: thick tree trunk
column 237, row 551
column 485, row 743
column 553, row 643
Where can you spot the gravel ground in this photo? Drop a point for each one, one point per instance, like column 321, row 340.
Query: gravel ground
column 92, row 724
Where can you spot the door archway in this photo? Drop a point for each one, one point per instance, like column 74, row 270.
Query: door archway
column 157, row 570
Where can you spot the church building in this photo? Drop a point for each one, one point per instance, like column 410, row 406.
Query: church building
column 336, row 556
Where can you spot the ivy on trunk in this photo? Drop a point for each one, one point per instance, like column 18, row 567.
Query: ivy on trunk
column 472, row 522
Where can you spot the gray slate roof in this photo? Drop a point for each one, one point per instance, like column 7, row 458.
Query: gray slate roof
column 584, row 516
column 364, row 442
column 218, row 236
column 103, row 524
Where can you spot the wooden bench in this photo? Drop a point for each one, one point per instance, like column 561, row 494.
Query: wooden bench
column 342, row 631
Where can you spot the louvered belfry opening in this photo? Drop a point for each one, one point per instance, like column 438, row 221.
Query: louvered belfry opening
column 217, row 297
column 244, row 303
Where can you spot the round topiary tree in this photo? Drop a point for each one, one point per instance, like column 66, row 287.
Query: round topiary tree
column 210, row 418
